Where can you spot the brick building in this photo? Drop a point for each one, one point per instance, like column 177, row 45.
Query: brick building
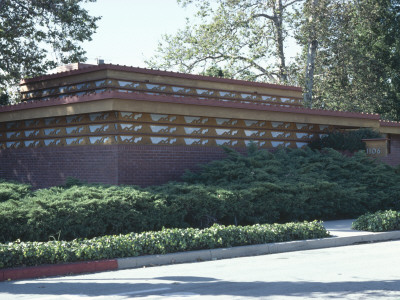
column 123, row 125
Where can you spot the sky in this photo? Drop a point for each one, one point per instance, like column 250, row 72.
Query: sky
column 130, row 30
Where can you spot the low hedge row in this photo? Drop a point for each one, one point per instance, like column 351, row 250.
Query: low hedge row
column 258, row 188
column 155, row 242
column 13, row 190
column 380, row 221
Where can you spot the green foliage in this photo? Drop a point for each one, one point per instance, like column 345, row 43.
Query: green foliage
column 379, row 221
column 350, row 50
column 302, row 184
column 4, row 98
column 29, row 29
column 13, row 190
column 247, row 38
column 216, row 71
column 81, row 211
column 161, row 242
column 357, row 61
column 71, row 181
column 260, row 187
column 344, row 140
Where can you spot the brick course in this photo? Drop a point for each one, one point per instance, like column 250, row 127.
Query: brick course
column 141, row 165
column 393, row 157
column 111, row 164
column 44, row 167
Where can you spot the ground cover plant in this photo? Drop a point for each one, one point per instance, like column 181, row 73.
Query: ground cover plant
column 159, row 242
column 303, row 184
column 257, row 188
column 379, row 221
column 13, row 190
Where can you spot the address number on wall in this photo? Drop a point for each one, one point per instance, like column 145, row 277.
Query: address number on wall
column 373, row 150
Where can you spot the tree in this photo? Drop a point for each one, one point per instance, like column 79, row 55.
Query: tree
column 315, row 16
column 4, row 98
column 30, row 29
column 357, row 66
column 216, row 71
column 311, row 53
column 351, row 58
column 245, row 37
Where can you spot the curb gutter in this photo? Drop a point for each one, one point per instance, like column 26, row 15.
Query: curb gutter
column 58, row 269
column 191, row 256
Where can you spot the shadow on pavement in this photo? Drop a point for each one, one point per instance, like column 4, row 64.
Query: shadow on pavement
column 203, row 286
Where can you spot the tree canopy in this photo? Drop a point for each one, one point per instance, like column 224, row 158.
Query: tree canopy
column 357, row 66
column 36, row 35
column 350, row 58
column 247, row 38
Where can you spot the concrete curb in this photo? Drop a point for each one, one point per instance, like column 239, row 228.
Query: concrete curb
column 193, row 256
column 253, row 250
column 59, row 269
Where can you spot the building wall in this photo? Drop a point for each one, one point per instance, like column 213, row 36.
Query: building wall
column 141, row 165
column 93, row 79
column 110, row 164
column 393, row 158
column 154, row 165
column 155, row 129
column 122, row 125
column 44, row 167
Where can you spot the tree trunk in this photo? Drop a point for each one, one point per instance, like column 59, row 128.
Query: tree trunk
column 279, row 40
column 311, row 55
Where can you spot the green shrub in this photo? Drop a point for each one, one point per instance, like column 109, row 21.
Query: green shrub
column 379, row 221
column 306, row 184
column 344, row 140
column 13, row 190
column 260, row 187
column 81, row 212
column 166, row 241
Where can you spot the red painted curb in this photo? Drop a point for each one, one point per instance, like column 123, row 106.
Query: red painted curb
column 60, row 269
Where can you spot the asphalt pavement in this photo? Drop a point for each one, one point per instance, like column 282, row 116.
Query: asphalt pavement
column 342, row 228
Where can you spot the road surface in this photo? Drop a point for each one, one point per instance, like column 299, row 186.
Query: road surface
column 367, row 271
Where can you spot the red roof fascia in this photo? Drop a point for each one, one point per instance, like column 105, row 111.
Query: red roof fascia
column 182, row 100
column 384, row 123
column 93, row 68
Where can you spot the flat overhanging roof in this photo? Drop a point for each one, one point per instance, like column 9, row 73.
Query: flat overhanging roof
column 115, row 100
column 138, row 102
column 94, row 68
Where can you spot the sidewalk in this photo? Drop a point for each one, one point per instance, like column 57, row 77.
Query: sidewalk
column 342, row 228
column 342, row 235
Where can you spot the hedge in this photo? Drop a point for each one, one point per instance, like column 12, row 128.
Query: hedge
column 260, row 187
column 157, row 242
column 13, row 190
column 82, row 212
column 379, row 221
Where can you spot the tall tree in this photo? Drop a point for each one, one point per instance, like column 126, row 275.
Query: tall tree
column 245, row 37
column 314, row 16
column 35, row 35
column 357, row 66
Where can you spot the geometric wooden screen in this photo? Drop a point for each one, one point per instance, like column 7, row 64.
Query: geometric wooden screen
column 108, row 128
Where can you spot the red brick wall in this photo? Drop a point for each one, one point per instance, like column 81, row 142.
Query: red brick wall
column 152, row 165
column 44, row 167
column 115, row 164
column 112, row 164
column 393, row 157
